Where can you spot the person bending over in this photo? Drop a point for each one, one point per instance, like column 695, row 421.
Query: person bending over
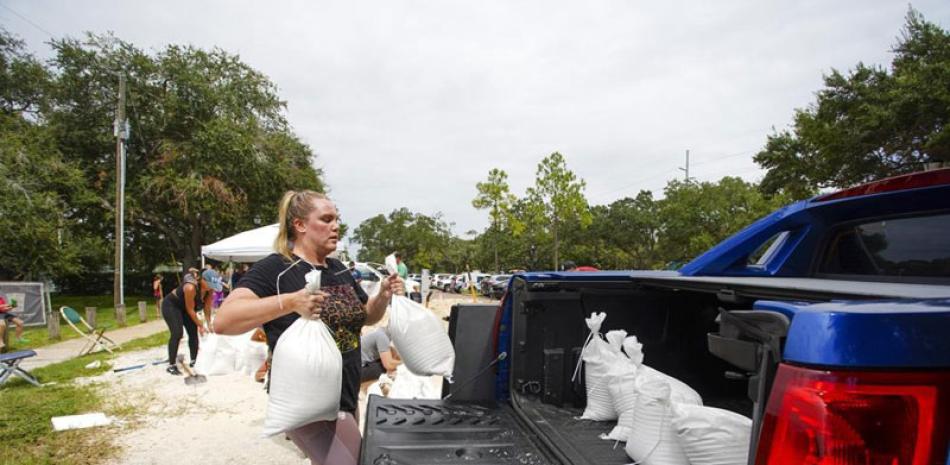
column 179, row 309
column 378, row 355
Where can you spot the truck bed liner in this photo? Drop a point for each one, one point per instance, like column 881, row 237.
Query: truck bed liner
column 410, row 432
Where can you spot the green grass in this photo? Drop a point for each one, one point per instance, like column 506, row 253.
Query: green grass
column 105, row 316
column 25, row 413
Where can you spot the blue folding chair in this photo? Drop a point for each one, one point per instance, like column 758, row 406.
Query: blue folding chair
column 10, row 365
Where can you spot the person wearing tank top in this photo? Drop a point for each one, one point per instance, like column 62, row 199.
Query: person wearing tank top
column 179, row 309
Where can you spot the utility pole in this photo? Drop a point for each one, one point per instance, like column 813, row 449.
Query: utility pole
column 686, row 170
column 120, row 129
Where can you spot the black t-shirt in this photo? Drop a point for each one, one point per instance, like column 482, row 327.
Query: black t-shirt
column 343, row 312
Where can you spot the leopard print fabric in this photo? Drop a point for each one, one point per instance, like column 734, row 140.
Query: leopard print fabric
column 344, row 315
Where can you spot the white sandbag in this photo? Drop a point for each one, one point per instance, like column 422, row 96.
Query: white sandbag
column 420, row 338
column 622, row 386
column 409, row 385
column 712, row 436
column 596, row 359
column 255, row 354
column 305, row 380
column 219, row 354
column 633, row 349
column 598, row 356
column 680, row 392
column 615, row 339
column 652, row 440
column 207, row 346
column 381, row 387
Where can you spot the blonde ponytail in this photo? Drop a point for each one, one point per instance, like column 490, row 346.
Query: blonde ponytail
column 293, row 205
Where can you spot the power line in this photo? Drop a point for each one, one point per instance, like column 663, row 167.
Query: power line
column 27, row 20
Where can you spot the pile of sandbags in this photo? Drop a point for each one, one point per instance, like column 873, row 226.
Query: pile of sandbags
column 662, row 419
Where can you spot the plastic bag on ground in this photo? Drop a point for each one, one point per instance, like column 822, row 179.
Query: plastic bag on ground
column 652, row 440
column 420, row 338
column 712, row 436
column 306, row 376
column 598, row 356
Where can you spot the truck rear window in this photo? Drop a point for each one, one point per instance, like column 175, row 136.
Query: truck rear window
column 901, row 247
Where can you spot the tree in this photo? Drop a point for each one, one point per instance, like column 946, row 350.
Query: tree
column 560, row 197
column 623, row 235
column 423, row 241
column 869, row 123
column 495, row 196
column 696, row 216
column 40, row 191
column 210, row 152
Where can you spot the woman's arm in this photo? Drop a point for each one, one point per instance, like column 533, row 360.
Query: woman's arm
column 376, row 305
column 190, row 307
column 243, row 310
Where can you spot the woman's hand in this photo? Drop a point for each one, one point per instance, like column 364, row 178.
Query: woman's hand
column 201, row 330
column 308, row 305
column 392, row 284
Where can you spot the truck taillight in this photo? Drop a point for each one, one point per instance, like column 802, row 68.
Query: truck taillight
column 826, row 417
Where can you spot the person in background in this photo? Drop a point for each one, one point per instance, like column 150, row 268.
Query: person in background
column 403, row 270
column 309, row 231
column 180, row 310
column 357, row 276
column 378, row 355
column 239, row 273
column 6, row 314
column 157, row 291
column 215, row 295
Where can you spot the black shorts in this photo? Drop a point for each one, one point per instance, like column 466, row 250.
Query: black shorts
column 8, row 316
column 371, row 371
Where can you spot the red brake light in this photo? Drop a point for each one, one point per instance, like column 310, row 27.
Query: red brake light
column 896, row 183
column 817, row 417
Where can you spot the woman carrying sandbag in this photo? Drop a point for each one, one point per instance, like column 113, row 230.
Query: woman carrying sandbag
column 273, row 294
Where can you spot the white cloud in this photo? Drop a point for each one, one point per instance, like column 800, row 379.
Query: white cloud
column 410, row 103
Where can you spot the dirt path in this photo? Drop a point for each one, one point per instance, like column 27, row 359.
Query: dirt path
column 215, row 423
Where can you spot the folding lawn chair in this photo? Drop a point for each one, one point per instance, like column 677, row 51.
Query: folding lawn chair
column 9, row 365
column 94, row 336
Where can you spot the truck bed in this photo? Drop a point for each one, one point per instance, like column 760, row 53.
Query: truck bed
column 410, row 432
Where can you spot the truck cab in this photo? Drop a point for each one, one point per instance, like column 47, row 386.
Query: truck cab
column 827, row 323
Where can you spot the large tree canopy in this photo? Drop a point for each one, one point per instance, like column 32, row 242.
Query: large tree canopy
column 209, row 155
column 871, row 122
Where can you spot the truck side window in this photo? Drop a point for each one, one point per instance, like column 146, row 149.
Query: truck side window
column 901, row 247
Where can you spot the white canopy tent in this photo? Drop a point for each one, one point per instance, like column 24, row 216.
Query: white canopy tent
column 246, row 247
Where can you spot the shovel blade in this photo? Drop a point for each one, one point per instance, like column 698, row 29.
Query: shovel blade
column 191, row 380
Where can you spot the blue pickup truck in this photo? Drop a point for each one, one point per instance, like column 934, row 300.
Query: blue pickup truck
column 826, row 322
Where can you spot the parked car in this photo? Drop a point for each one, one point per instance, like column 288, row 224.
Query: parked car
column 370, row 277
column 827, row 323
column 494, row 287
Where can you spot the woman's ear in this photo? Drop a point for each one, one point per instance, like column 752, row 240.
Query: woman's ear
column 299, row 226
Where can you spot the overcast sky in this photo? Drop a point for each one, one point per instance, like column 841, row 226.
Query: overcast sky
column 409, row 104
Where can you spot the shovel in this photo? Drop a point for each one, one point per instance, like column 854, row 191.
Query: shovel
column 191, row 378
